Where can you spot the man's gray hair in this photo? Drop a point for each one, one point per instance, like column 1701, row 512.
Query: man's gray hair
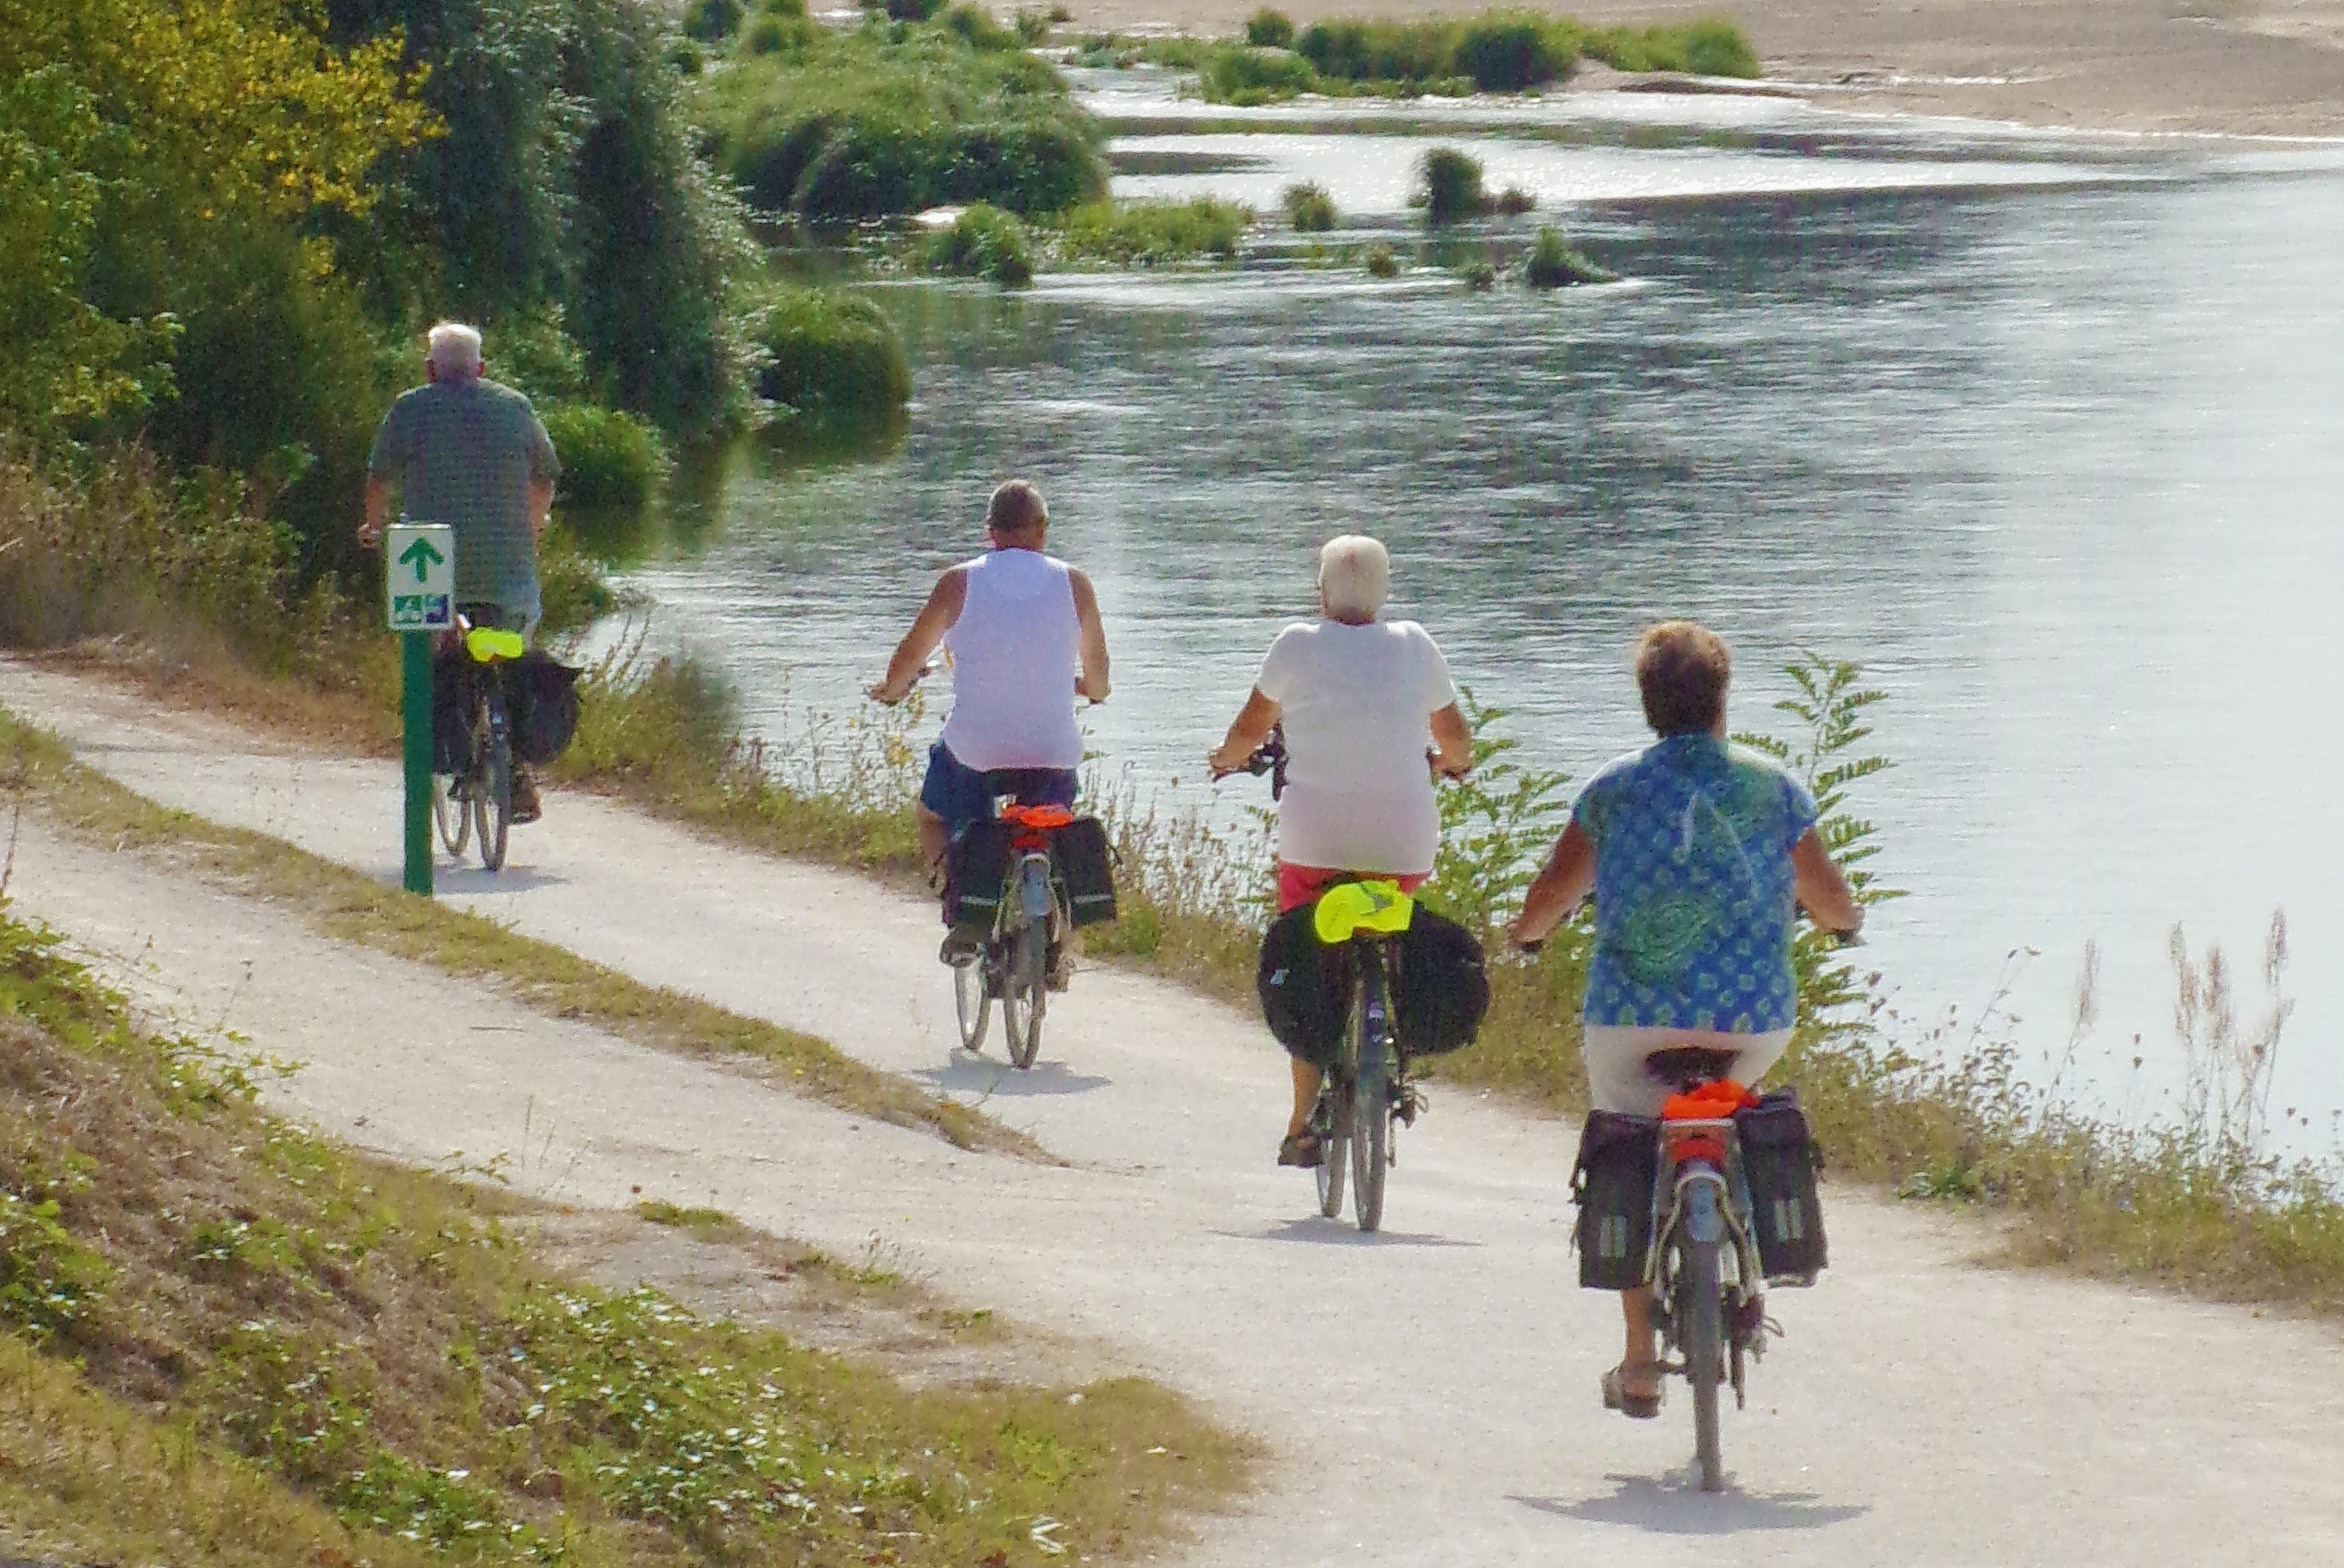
column 1354, row 576
column 455, row 351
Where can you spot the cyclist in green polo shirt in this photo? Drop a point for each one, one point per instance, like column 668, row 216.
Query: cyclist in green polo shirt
column 471, row 453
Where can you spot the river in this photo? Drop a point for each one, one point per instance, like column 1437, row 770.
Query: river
column 2041, row 430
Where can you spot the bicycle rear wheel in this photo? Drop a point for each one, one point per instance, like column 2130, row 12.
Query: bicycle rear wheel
column 452, row 813
column 1022, row 995
column 1371, row 1111
column 492, row 783
column 1699, row 1325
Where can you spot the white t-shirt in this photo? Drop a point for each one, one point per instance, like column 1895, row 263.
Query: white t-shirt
column 1358, row 704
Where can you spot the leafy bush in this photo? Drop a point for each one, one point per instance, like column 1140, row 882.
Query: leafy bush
column 1380, row 261
column 985, row 242
column 1451, row 191
column 1478, row 275
column 1712, row 46
column 712, row 20
column 1381, row 51
column 869, row 125
column 610, row 458
column 1268, row 29
column 1551, row 264
column 1244, row 76
column 1146, row 233
column 975, row 24
column 831, row 358
column 1308, row 208
column 1506, row 51
column 1032, row 27
column 1513, row 201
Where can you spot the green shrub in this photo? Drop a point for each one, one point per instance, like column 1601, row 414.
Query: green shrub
column 831, row 358
column 1032, row 27
column 1513, row 201
column 1268, row 29
column 1380, row 261
column 1308, row 208
column 609, row 458
column 1451, row 190
column 712, row 20
column 1551, row 264
column 913, row 10
column 1478, row 276
column 1394, row 52
column 1506, row 51
column 1146, row 233
column 984, row 242
column 975, row 24
column 688, row 57
column 1240, row 74
column 1712, row 46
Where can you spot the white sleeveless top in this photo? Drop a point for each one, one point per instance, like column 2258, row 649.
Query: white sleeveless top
column 1015, row 650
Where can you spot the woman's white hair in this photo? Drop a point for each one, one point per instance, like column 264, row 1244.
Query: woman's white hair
column 1354, row 576
column 455, row 350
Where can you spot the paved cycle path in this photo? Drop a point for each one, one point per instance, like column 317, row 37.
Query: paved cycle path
column 1428, row 1394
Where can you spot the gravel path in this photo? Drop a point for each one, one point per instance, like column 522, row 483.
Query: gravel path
column 1430, row 1394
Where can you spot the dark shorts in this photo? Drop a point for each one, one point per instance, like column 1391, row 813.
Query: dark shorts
column 962, row 794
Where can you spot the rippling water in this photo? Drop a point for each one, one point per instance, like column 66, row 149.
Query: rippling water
column 2044, row 433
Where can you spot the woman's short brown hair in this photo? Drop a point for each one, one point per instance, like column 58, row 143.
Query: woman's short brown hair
column 1681, row 670
column 1017, row 508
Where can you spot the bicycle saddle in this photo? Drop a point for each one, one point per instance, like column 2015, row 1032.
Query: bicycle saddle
column 1347, row 908
column 485, row 644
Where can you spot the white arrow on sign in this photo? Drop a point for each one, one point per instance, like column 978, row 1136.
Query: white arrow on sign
column 419, row 576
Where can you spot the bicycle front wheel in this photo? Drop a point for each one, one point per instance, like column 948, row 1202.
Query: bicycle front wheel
column 1022, row 995
column 451, row 814
column 492, row 786
column 1699, row 1328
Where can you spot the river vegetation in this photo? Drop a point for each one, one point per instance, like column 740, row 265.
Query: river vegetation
column 224, row 1339
column 1507, row 50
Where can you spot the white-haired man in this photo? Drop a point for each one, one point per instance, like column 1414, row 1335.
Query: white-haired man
column 1364, row 702
column 471, row 453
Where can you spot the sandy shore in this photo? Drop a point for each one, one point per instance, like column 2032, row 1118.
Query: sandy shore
column 2267, row 67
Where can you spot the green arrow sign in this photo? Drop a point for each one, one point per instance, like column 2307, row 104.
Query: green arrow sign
column 422, row 557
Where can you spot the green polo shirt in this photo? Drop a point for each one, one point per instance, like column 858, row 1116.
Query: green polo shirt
column 463, row 453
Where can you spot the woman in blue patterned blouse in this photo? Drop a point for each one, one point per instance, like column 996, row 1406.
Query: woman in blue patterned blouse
column 1698, row 853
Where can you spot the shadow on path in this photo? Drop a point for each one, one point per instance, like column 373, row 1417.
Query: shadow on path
column 1678, row 1507
column 469, row 880
column 1317, row 1232
column 967, row 1076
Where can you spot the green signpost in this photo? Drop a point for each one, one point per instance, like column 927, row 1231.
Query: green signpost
column 420, row 585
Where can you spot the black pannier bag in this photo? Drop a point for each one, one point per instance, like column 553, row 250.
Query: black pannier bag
column 451, row 710
column 1443, row 985
column 1613, row 1184
column 1779, row 1160
column 1086, row 868
column 542, row 700
column 976, row 870
column 1306, row 987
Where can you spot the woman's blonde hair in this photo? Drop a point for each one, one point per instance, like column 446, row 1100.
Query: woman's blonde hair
column 1354, row 576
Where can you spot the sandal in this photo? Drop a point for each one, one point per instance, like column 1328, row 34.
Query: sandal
column 1300, row 1149
column 1618, row 1397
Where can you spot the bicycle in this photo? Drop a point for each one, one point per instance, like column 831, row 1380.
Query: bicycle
column 478, row 795
column 1365, row 1092
column 1013, row 963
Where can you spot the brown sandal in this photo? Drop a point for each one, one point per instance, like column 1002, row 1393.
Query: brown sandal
column 1617, row 1396
column 1301, row 1149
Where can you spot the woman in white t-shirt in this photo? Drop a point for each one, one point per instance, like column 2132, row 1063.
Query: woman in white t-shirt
column 1365, row 705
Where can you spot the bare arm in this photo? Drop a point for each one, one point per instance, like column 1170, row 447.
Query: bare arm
column 928, row 628
column 378, row 512
column 1568, row 876
column 1252, row 726
column 1823, row 888
column 1093, row 682
column 1452, row 741
column 540, row 506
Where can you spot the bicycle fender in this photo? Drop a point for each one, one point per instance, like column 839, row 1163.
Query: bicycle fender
column 1034, row 889
column 1703, row 1221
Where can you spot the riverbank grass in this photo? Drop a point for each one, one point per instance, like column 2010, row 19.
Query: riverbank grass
column 229, row 1340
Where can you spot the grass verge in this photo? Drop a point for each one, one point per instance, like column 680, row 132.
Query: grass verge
column 224, row 1339
column 350, row 906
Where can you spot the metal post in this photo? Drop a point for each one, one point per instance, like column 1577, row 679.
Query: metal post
column 415, row 712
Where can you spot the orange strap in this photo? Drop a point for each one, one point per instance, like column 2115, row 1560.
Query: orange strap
column 1707, row 1102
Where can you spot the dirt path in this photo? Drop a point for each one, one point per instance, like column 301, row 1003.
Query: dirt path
column 1429, row 1391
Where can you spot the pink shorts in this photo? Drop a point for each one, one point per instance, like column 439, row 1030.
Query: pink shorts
column 1298, row 884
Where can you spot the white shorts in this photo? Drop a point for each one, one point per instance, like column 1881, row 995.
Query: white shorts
column 1616, row 1079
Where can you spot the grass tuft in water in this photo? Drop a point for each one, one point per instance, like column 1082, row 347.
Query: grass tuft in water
column 1152, row 233
column 985, row 242
column 1380, row 260
column 1449, row 187
column 1553, row 264
column 1309, row 210
column 831, row 358
column 610, row 460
